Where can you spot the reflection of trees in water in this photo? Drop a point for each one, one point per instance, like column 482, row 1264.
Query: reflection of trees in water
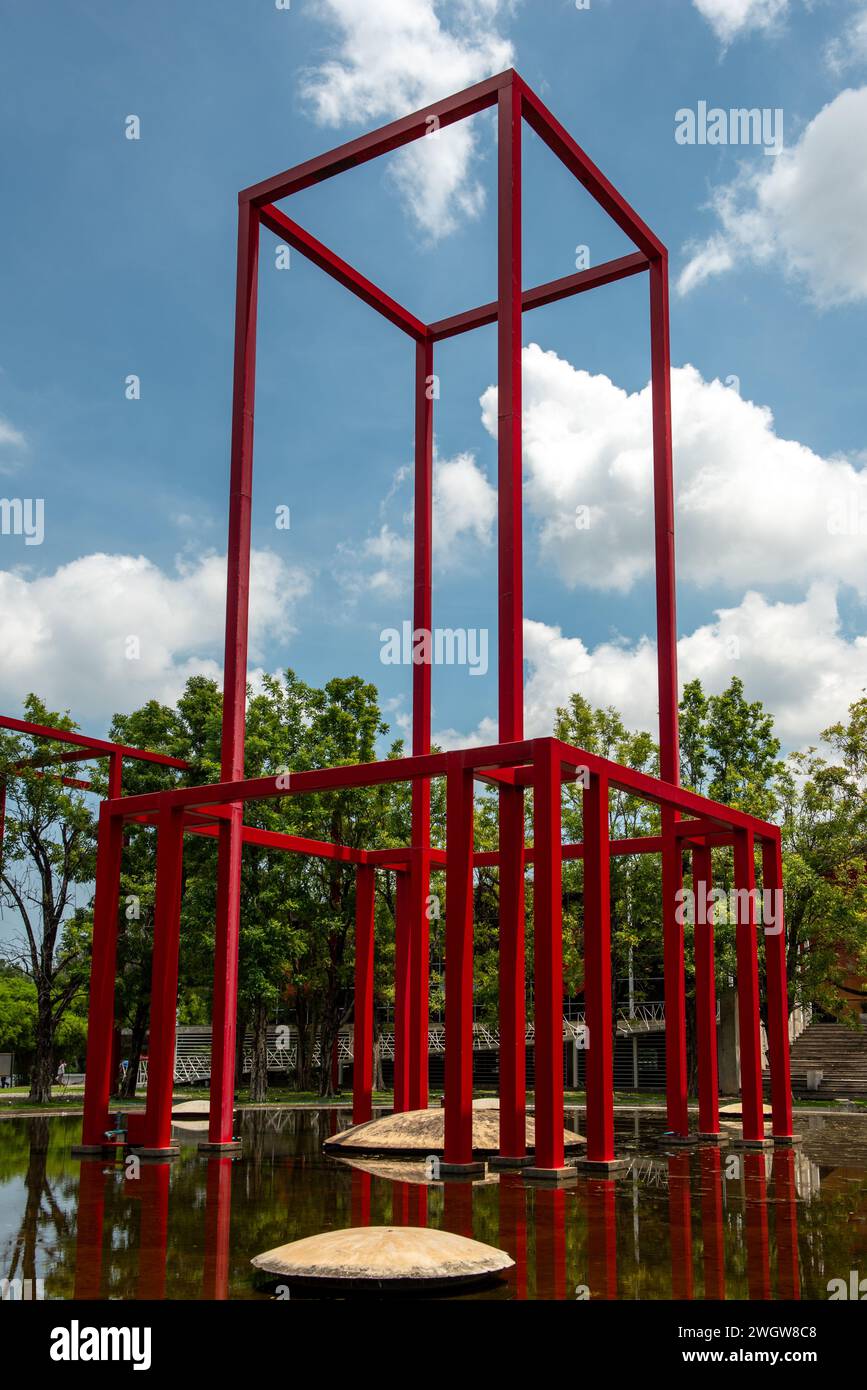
column 44, row 1226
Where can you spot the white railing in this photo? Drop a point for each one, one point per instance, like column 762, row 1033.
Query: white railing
column 193, row 1056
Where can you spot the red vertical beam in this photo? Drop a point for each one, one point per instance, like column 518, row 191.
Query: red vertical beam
column 512, row 1209
column 663, row 509
column 510, row 618
column 705, row 993
column 419, row 868
column 597, row 973
column 549, row 1211
column 509, row 446
column 512, row 984
column 164, row 981
column 666, row 639
column 100, row 1022
column 402, row 931
column 776, row 985
column 675, row 987
column 548, row 951
column 152, row 1189
column 360, row 1201
column 362, row 1044
column 458, row 1148
column 749, row 1026
column 225, row 1004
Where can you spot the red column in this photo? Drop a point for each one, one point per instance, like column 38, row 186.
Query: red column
column 548, row 951
column 675, row 988
column 157, row 1131
column 597, row 974
column 362, row 1044
column 459, row 966
column 512, row 1208
column 776, row 984
column 360, row 1201
column 225, row 1005
column 513, row 1018
column 510, row 620
column 401, row 992
column 100, row 1022
column 705, row 993
column 152, row 1189
column 749, row 1026
column 419, row 869
column 666, row 638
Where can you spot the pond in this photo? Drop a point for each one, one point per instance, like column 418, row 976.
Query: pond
column 701, row 1223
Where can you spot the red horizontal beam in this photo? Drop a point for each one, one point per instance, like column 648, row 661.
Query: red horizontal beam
column 94, row 745
column 540, row 295
column 377, row 142
column 371, row 774
column 561, row 143
column 665, row 794
column 341, row 271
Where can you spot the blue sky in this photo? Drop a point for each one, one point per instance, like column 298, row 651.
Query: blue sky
column 118, row 258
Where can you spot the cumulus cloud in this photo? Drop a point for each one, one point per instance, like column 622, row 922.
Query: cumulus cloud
column 72, row 635
column 729, row 18
column 393, row 56
column 849, row 48
column 793, row 656
column 804, row 211
column 464, row 512
column 752, row 508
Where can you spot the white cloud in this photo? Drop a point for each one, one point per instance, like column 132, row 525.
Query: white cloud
column 464, row 512
column 849, row 48
column 804, row 211
column 394, row 56
column 752, row 508
column 792, row 656
column 728, row 18
column 65, row 635
column 11, row 440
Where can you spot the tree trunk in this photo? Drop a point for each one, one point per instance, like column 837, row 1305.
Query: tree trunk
column 43, row 1062
column 259, row 1065
column 127, row 1088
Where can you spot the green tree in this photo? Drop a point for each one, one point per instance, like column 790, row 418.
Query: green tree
column 48, row 850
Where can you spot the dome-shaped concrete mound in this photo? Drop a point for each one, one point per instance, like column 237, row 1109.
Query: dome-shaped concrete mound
column 383, row 1256
column 422, row 1132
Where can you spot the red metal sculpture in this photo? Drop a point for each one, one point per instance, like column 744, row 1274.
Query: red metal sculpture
column 688, row 822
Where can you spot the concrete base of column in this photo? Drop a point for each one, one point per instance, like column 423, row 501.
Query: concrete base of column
column 601, row 1167
column 712, row 1137
column 752, row 1143
column 171, row 1151
column 503, row 1161
column 456, row 1172
column 552, row 1176
column 230, row 1146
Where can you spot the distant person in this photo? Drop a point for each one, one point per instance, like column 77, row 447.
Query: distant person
column 61, row 1074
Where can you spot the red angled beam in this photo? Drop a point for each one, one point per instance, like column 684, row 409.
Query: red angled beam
column 558, row 139
column 377, row 142
column 341, row 271
column 83, row 741
column 549, row 293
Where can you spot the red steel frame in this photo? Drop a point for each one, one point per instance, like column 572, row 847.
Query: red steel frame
column 512, row 765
